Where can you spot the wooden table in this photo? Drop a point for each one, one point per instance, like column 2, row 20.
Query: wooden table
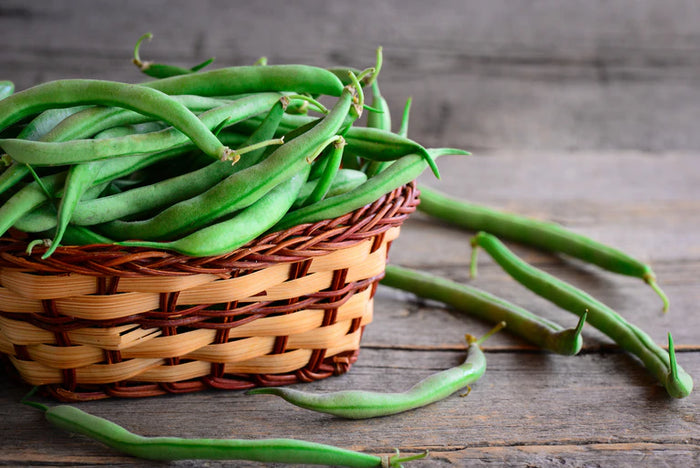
column 592, row 127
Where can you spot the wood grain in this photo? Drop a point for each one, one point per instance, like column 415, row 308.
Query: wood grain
column 583, row 113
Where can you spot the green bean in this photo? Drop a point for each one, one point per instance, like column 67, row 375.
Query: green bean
column 12, row 175
column 370, row 143
column 403, row 171
column 403, row 130
column 159, row 70
column 541, row 234
column 246, row 225
column 43, row 123
column 331, row 169
column 7, row 88
column 31, row 196
column 523, row 323
column 68, row 93
column 240, row 189
column 43, row 218
column 130, row 129
column 344, row 181
column 677, row 382
column 94, row 119
column 359, row 404
column 302, row 79
column 77, row 151
column 157, row 195
column 74, row 420
column 380, row 120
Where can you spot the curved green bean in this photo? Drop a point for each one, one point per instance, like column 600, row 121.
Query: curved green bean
column 541, row 234
column 360, row 404
column 246, row 225
column 677, row 382
column 301, row 79
column 537, row 330
column 77, row 151
column 159, row 70
column 74, row 420
column 94, row 119
column 403, row 171
column 240, row 189
column 68, row 93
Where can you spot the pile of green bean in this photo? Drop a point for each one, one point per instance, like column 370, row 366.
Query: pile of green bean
column 194, row 161
column 203, row 161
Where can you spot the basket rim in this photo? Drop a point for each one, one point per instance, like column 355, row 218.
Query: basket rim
column 291, row 245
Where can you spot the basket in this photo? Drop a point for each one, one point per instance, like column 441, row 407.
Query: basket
column 104, row 321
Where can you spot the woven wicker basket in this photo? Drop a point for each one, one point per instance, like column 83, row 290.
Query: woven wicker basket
column 98, row 321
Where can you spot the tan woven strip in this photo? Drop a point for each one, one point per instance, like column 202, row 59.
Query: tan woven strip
column 235, row 289
column 156, row 284
column 185, row 371
column 341, row 258
column 325, row 337
column 23, row 333
column 6, row 347
column 374, row 265
column 108, row 307
column 10, row 301
column 113, row 339
column 294, row 288
column 38, row 374
column 235, row 351
column 47, row 286
column 392, row 234
column 65, row 357
column 271, row 363
column 170, row 346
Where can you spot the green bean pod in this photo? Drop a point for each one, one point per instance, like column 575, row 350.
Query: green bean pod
column 94, row 119
column 74, row 420
column 78, row 151
column 403, row 171
column 68, row 93
column 539, row 331
column 301, row 79
column 360, row 404
column 240, row 189
column 677, row 382
column 541, row 234
column 246, row 225
column 159, row 70
column 32, row 195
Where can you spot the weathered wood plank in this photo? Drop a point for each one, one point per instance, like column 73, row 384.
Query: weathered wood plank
column 591, row 399
column 538, row 75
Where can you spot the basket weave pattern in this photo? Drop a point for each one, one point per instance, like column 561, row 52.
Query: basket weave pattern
column 98, row 321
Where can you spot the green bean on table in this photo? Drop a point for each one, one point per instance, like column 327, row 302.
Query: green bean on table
column 541, row 234
column 73, row 420
column 360, row 404
column 539, row 331
column 677, row 382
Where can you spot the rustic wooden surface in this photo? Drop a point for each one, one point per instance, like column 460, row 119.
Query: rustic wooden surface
column 580, row 112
